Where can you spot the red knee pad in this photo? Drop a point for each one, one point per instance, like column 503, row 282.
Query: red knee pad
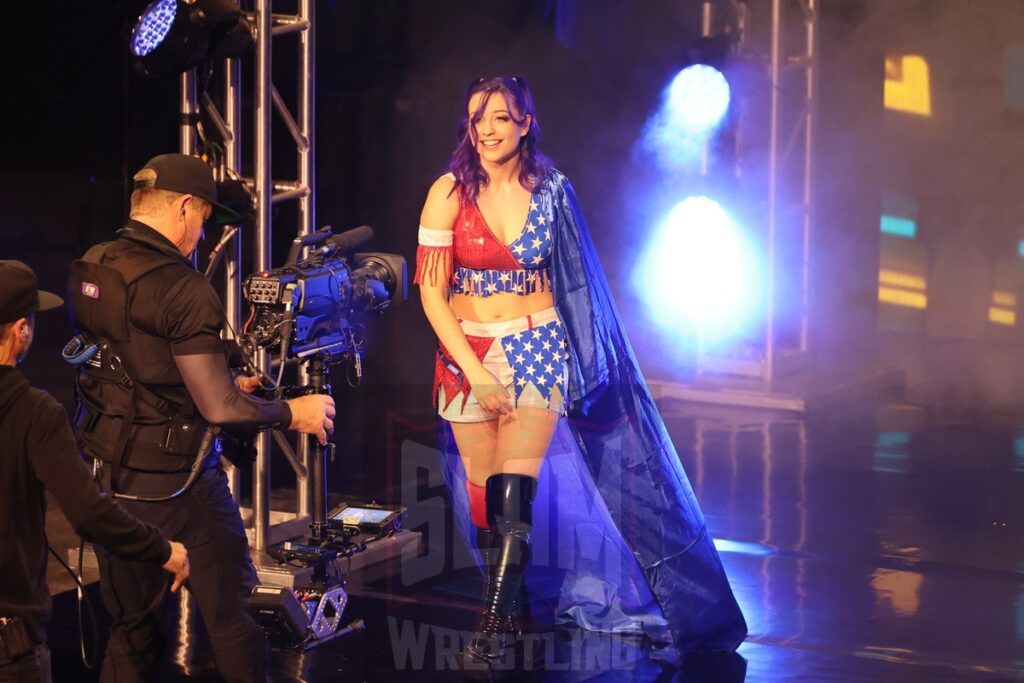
column 477, row 504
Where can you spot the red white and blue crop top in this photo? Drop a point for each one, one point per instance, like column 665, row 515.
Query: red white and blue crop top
column 473, row 261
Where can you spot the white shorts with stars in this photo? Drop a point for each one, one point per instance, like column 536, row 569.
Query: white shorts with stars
column 528, row 356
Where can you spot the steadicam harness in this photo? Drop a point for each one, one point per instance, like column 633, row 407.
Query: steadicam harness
column 106, row 359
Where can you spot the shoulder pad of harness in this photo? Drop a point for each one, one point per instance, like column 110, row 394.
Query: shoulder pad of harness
column 98, row 290
column 135, row 264
column 96, row 253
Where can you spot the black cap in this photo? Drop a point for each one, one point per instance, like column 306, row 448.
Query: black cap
column 19, row 292
column 187, row 175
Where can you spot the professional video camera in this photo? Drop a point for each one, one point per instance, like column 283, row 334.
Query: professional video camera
column 307, row 311
column 311, row 307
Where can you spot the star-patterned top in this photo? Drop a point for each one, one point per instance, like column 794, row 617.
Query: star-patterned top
column 530, row 252
column 533, row 246
column 487, row 282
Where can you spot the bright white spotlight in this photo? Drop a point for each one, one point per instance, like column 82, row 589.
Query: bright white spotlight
column 698, row 98
column 698, row 276
column 692, row 108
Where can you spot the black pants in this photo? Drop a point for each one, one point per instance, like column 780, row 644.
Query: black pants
column 207, row 521
column 33, row 667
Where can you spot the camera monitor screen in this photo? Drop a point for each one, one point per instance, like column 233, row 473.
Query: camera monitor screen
column 355, row 516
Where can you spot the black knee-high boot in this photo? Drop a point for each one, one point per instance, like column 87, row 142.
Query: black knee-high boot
column 510, row 515
column 486, row 542
column 519, row 617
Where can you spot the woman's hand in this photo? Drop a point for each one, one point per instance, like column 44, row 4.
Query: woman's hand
column 489, row 393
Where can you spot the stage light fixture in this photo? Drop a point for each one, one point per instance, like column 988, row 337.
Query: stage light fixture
column 153, row 26
column 698, row 99
column 698, row 275
column 173, row 36
column 682, row 134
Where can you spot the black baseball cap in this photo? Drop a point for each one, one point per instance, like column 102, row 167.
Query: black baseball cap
column 185, row 174
column 19, row 292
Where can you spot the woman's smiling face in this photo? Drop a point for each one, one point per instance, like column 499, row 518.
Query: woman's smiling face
column 496, row 133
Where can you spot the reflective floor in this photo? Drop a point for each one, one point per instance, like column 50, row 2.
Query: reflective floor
column 880, row 546
column 875, row 543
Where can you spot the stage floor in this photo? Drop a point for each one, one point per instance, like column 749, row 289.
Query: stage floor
column 868, row 543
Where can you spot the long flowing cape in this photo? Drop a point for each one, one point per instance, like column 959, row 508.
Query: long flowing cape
column 614, row 508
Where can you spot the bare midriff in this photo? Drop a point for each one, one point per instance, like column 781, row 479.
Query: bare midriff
column 498, row 307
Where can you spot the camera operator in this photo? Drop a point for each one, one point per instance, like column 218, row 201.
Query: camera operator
column 161, row 380
column 39, row 451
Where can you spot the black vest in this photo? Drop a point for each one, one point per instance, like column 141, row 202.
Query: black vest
column 133, row 407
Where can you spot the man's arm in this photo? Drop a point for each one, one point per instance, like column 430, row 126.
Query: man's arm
column 191, row 321
column 222, row 403
column 94, row 515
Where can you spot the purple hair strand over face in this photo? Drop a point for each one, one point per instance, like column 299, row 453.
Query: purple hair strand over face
column 465, row 161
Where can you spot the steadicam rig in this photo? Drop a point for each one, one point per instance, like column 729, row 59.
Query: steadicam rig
column 311, row 307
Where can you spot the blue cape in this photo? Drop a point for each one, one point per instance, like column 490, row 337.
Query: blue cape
column 614, row 507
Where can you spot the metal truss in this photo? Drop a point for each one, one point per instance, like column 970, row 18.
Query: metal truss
column 789, row 47
column 267, row 526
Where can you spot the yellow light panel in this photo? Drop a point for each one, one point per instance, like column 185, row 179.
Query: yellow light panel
column 902, row 297
column 896, row 278
column 1006, row 299
column 1001, row 316
column 908, row 85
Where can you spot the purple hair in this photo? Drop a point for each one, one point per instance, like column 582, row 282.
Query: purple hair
column 465, row 162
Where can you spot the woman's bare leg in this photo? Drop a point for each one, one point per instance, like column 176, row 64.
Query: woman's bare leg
column 478, row 443
column 523, row 440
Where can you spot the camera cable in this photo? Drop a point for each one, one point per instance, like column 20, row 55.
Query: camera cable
column 88, row 661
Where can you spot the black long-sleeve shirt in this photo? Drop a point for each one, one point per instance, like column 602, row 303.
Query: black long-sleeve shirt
column 37, row 450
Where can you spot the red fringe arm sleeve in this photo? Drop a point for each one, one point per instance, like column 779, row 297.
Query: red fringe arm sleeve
column 434, row 257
